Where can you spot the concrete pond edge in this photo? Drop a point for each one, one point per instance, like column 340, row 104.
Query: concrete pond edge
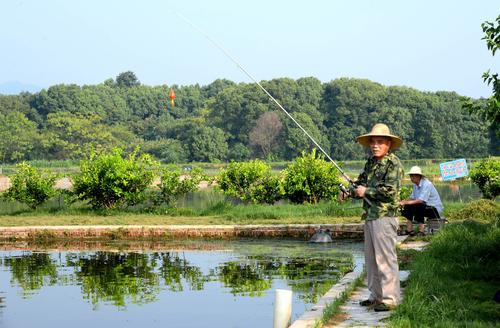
column 303, row 231
column 313, row 318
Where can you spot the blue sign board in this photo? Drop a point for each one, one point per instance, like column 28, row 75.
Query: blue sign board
column 454, row 169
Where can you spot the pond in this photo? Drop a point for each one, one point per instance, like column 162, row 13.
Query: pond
column 458, row 192
column 169, row 284
column 449, row 192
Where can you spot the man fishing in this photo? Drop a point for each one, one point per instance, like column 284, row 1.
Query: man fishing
column 380, row 183
column 379, row 186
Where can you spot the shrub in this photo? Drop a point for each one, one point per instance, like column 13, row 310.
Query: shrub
column 175, row 184
column 109, row 180
column 483, row 210
column 310, row 179
column 251, row 182
column 30, row 186
column 486, row 174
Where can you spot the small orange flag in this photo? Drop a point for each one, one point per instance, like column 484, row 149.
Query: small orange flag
column 171, row 95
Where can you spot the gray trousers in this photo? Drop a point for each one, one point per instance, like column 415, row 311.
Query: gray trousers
column 381, row 260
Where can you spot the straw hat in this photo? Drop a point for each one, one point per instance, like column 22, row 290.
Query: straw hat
column 415, row 170
column 380, row 130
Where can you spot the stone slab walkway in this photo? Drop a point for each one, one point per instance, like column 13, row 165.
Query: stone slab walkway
column 358, row 316
column 354, row 315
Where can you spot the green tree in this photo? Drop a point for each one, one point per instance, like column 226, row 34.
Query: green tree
column 18, row 137
column 165, row 150
column 239, row 152
column 19, row 103
column 490, row 110
column 309, row 179
column 216, row 87
column 250, row 181
column 74, row 135
column 236, row 109
column 486, row 174
column 293, row 141
column 127, row 80
column 207, row 144
column 31, row 186
column 110, row 180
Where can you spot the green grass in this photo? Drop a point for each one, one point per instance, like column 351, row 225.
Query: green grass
column 452, row 282
column 203, row 207
column 212, row 212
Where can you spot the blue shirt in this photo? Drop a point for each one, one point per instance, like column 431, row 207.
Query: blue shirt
column 427, row 193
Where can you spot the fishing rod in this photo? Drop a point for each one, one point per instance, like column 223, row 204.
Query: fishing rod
column 341, row 186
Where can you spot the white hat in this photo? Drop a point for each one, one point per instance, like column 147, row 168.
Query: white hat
column 380, row 130
column 415, row 170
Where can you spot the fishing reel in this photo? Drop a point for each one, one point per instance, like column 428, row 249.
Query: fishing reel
column 345, row 190
column 350, row 190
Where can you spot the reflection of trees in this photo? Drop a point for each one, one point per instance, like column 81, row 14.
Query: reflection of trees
column 244, row 278
column 32, row 271
column 174, row 268
column 310, row 277
column 138, row 278
column 115, row 277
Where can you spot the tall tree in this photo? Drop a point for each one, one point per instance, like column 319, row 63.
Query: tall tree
column 18, row 136
column 207, row 144
column 263, row 134
column 127, row 79
column 491, row 109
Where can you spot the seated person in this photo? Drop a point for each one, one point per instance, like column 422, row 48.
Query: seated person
column 424, row 202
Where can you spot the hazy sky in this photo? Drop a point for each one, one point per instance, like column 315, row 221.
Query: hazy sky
column 429, row 45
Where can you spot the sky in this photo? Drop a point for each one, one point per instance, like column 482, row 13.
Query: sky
column 429, row 45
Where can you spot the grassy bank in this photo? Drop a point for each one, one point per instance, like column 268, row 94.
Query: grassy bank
column 203, row 207
column 219, row 212
column 453, row 281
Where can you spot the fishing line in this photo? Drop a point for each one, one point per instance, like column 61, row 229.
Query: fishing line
column 270, row 96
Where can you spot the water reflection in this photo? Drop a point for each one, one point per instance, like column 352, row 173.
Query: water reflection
column 174, row 270
column 114, row 277
column 123, row 278
column 32, row 271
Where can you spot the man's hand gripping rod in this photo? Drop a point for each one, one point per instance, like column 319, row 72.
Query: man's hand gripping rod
column 341, row 186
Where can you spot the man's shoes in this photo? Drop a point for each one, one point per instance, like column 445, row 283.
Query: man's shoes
column 382, row 307
column 368, row 303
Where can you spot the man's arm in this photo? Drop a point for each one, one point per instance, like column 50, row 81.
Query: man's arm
column 411, row 202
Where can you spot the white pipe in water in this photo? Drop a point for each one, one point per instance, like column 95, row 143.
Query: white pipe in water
column 282, row 308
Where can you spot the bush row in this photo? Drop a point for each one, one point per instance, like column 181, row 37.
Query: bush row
column 113, row 179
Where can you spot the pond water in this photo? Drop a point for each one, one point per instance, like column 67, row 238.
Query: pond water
column 181, row 284
column 449, row 192
column 458, row 192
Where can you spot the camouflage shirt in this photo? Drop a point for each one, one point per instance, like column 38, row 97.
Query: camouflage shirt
column 382, row 180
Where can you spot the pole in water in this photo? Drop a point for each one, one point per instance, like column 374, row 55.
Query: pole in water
column 282, row 308
column 270, row 96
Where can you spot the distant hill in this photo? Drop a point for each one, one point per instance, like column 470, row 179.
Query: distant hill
column 16, row 87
